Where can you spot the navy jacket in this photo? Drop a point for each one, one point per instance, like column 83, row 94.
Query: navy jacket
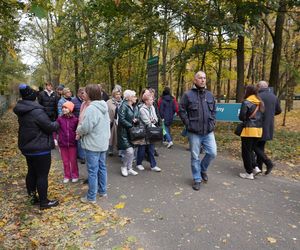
column 35, row 128
column 77, row 102
column 198, row 111
column 272, row 108
column 167, row 109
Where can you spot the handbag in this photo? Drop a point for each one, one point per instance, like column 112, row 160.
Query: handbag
column 154, row 134
column 137, row 132
column 239, row 128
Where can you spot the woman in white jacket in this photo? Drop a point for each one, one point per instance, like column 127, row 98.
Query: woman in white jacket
column 149, row 118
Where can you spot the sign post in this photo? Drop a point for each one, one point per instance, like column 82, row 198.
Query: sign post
column 228, row 112
column 152, row 73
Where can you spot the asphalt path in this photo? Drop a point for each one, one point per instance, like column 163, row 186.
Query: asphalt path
column 227, row 213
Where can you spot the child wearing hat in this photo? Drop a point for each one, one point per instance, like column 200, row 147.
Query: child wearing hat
column 67, row 142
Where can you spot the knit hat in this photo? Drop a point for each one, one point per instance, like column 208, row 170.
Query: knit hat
column 26, row 92
column 69, row 105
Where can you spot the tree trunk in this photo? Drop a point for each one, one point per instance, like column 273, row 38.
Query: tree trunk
column 164, row 49
column 240, row 68
column 228, row 81
column 276, row 54
column 111, row 74
column 264, row 53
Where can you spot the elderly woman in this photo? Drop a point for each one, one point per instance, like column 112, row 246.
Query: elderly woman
column 128, row 115
column 67, row 96
column 149, row 118
column 113, row 104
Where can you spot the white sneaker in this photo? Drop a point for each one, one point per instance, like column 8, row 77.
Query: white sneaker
column 165, row 143
column 247, row 176
column 75, row 180
column 156, row 169
column 170, row 144
column 140, row 167
column 66, row 180
column 124, row 171
column 256, row 171
column 132, row 172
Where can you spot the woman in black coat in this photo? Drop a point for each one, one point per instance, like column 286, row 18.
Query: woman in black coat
column 35, row 142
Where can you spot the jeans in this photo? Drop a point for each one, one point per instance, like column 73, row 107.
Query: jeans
column 141, row 154
column 37, row 175
column 80, row 151
column 97, row 174
column 210, row 147
column 168, row 136
column 69, row 158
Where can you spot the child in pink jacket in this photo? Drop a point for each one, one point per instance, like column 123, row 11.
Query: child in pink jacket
column 67, row 142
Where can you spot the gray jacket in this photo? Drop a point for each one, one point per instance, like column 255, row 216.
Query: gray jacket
column 95, row 127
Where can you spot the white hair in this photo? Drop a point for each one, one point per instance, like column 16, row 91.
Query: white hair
column 128, row 93
column 262, row 84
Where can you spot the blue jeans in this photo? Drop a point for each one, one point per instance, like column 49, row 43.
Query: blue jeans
column 80, row 151
column 168, row 136
column 210, row 147
column 141, row 154
column 97, row 174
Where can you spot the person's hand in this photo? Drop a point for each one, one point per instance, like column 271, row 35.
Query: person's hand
column 77, row 137
column 55, row 143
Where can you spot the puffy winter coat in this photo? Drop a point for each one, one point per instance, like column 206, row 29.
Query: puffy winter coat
column 198, row 111
column 50, row 103
column 252, row 126
column 67, row 131
column 35, row 128
column 126, row 114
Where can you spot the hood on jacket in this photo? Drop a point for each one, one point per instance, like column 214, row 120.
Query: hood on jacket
column 167, row 98
column 100, row 105
column 253, row 99
column 25, row 106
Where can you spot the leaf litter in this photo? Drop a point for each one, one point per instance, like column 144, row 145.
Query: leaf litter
column 69, row 225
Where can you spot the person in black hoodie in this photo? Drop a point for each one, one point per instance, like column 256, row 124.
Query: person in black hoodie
column 35, row 141
column 49, row 99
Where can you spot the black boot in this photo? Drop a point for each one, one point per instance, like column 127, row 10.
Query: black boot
column 33, row 199
column 269, row 165
column 48, row 204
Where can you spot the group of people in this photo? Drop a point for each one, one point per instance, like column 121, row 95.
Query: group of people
column 90, row 125
column 86, row 128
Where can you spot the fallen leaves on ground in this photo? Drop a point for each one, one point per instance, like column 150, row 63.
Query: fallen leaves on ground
column 22, row 226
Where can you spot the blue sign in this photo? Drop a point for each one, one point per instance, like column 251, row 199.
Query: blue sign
column 228, row 112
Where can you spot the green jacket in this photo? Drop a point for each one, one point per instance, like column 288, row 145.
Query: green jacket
column 125, row 116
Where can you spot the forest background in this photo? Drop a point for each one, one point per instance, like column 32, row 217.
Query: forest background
column 77, row 42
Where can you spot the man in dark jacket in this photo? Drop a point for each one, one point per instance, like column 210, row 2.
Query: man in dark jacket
column 49, row 100
column 198, row 113
column 272, row 108
column 35, row 142
column 77, row 100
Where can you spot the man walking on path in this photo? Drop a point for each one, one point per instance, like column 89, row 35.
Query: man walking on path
column 272, row 108
column 198, row 113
